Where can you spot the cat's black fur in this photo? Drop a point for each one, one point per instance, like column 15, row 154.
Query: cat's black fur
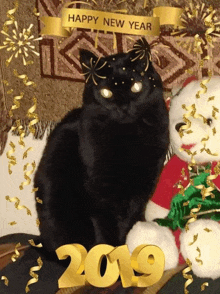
column 102, row 161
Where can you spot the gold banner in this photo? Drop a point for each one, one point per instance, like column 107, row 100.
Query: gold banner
column 111, row 22
column 168, row 15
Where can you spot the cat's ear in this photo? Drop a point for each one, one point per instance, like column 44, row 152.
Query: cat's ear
column 141, row 52
column 87, row 59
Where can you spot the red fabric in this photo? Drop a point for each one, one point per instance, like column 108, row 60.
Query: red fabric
column 170, row 176
column 189, row 80
column 167, row 188
column 217, row 180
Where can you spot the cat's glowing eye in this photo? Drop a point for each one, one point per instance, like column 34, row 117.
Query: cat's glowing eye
column 137, row 87
column 106, row 93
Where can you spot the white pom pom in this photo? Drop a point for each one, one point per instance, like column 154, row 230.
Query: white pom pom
column 206, row 248
column 152, row 234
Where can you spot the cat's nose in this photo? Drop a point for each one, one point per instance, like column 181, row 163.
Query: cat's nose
column 124, row 107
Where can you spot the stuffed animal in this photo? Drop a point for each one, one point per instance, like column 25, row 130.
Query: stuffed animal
column 184, row 211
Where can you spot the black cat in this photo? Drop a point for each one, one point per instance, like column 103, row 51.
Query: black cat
column 101, row 163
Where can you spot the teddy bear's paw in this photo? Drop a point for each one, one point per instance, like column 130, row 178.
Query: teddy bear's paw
column 201, row 245
column 152, row 234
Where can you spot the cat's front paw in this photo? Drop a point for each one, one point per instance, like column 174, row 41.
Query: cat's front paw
column 152, row 234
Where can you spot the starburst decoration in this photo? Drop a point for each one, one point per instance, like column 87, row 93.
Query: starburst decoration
column 141, row 49
column 19, row 43
column 197, row 20
column 92, row 70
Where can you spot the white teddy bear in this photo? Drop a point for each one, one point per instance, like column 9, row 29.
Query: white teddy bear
column 191, row 217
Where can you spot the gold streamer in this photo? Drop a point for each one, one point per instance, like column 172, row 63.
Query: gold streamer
column 187, row 276
column 12, row 223
column 32, row 116
column 35, row 11
column 34, row 190
column 207, row 230
column 195, row 237
column 203, row 85
column 5, row 82
column 17, row 204
column 17, row 253
column 26, row 152
column 10, row 16
column 193, row 216
column 27, row 174
column 16, row 103
column 12, row 159
column 39, row 200
column 21, row 132
column 5, row 279
column 24, row 78
column 214, row 112
column 10, row 91
column 205, row 284
column 198, row 258
column 33, row 274
column 182, row 189
column 34, row 245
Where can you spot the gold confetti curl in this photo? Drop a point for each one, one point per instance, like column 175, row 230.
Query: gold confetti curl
column 205, row 284
column 193, row 216
column 11, row 16
column 37, row 222
column 32, row 116
column 207, row 230
column 34, row 245
column 203, row 85
column 35, row 12
column 27, row 174
column 24, row 78
column 12, row 223
column 198, row 258
column 12, row 159
column 21, row 132
column 39, row 200
column 5, row 279
column 187, row 276
column 25, row 155
column 16, row 103
column 34, row 190
column 17, row 204
column 195, row 237
column 214, row 112
column 33, row 274
column 17, row 253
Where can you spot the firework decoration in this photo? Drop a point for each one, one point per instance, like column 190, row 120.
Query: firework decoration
column 141, row 50
column 201, row 23
column 19, row 43
column 92, row 70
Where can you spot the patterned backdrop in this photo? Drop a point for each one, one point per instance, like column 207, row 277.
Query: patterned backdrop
column 59, row 56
